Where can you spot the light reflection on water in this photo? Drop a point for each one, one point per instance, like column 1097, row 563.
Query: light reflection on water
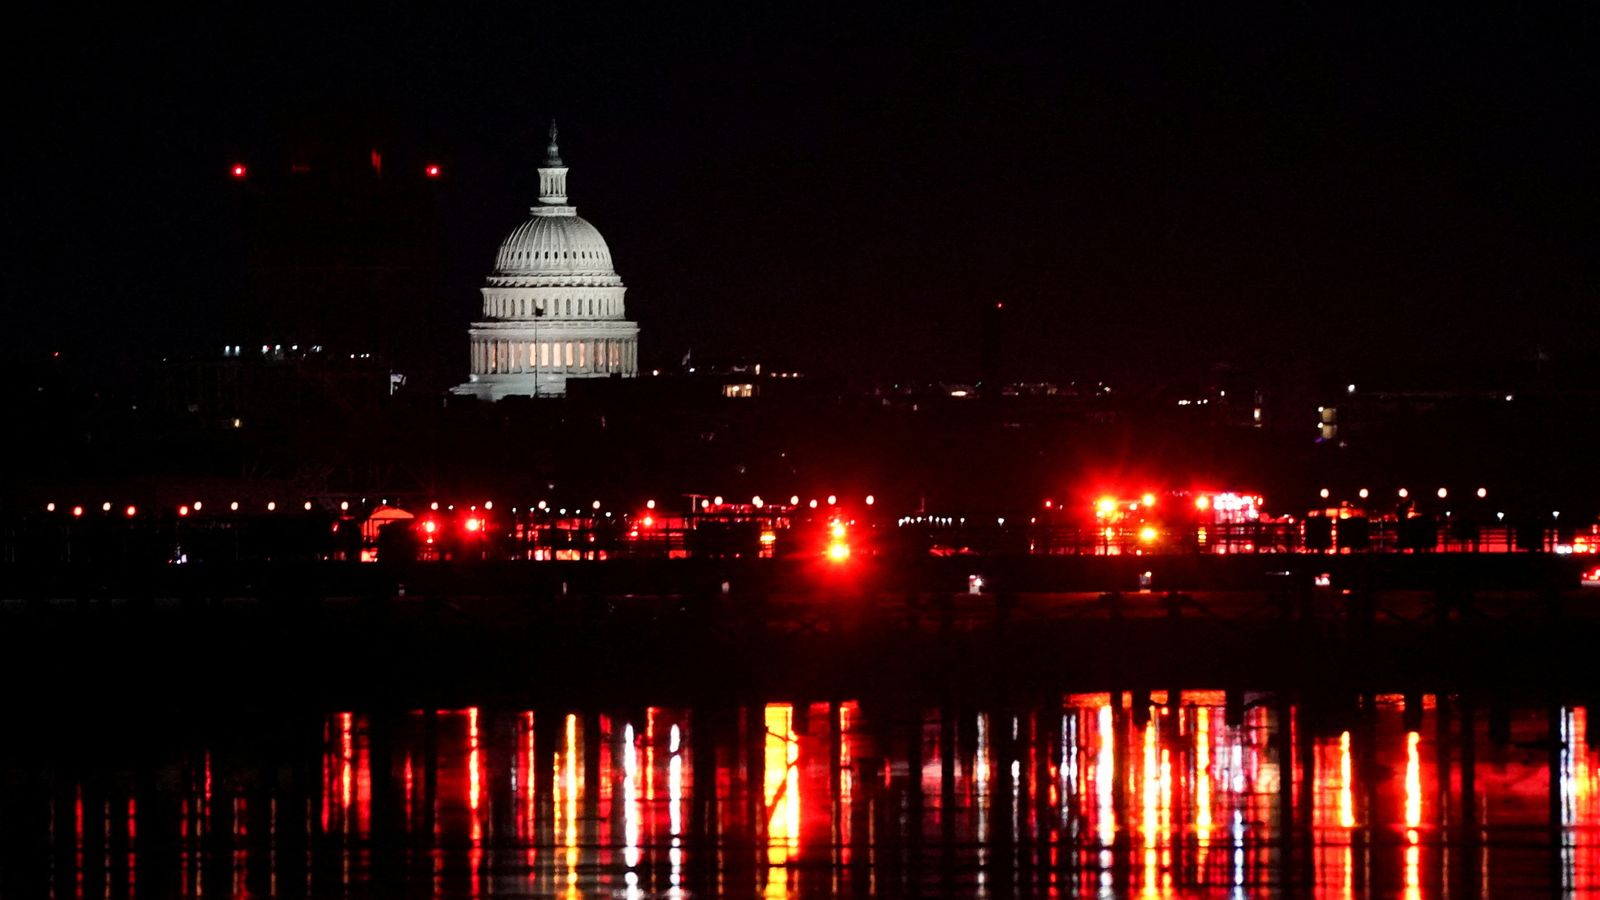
column 1085, row 797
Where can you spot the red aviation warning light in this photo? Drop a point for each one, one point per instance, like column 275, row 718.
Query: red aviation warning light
column 431, row 170
column 238, row 171
column 838, row 541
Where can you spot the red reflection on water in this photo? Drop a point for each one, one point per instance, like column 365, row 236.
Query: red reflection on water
column 816, row 799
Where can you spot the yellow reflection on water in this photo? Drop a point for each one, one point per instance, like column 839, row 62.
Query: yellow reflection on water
column 565, row 802
column 1413, row 781
column 1202, row 774
column 1105, row 776
column 1347, row 812
column 782, row 794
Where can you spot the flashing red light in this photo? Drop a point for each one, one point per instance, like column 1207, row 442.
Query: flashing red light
column 77, row 512
column 431, row 170
column 239, row 171
column 647, row 521
column 430, row 526
column 131, row 511
column 474, row 524
column 1202, row 502
column 183, row 511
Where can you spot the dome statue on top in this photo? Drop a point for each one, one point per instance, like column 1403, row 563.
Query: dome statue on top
column 552, row 307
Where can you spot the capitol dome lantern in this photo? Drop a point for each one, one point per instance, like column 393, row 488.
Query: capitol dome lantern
column 552, row 308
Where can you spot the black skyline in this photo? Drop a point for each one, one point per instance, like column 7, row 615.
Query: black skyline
column 1304, row 192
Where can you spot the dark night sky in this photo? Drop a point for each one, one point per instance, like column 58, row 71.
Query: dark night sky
column 1147, row 191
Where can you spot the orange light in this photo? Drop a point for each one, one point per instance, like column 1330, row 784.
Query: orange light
column 1106, row 506
column 183, row 511
column 837, row 530
column 1147, row 534
column 1148, row 499
column 131, row 511
column 474, row 524
column 77, row 512
column 838, row 551
column 430, row 526
column 1202, row 502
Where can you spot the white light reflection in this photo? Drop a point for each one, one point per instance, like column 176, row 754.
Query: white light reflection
column 630, row 799
column 1104, row 779
column 675, row 810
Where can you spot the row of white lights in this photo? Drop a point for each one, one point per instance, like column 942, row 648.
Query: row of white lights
column 344, row 505
column 1403, row 493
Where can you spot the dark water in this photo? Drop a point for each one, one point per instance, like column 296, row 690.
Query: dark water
column 1078, row 796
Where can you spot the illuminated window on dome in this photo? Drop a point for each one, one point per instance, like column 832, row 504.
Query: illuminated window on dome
column 569, row 354
column 616, row 355
column 583, row 354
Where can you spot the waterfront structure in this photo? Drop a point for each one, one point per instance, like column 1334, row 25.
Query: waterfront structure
column 552, row 307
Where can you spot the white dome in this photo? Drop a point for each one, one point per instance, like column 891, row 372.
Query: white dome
column 561, row 245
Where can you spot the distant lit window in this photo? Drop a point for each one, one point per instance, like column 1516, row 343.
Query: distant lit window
column 569, row 354
column 739, row 390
